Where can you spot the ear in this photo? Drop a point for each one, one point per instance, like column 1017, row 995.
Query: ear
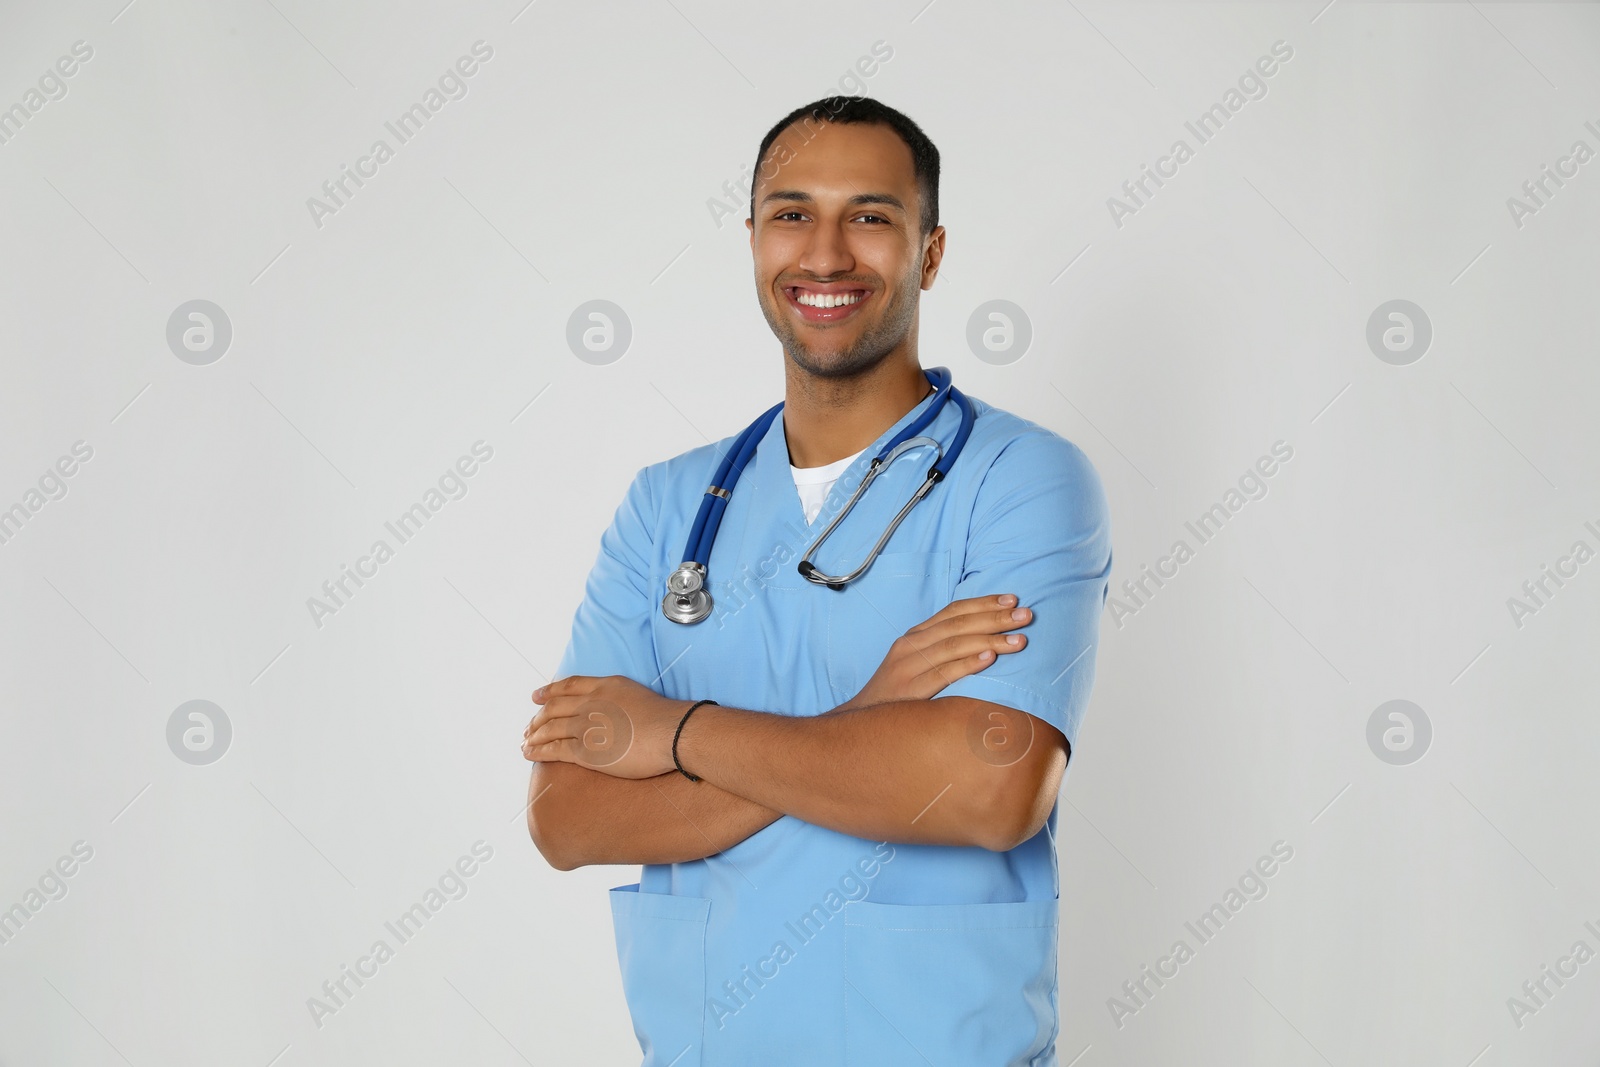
column 932, row 256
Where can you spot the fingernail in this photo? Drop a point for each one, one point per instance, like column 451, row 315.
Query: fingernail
column 1013, row 639
column 1020, row 614
column 986, row 655
column 1007, row 599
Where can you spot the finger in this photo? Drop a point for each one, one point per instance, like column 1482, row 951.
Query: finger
column 956, row 647
column 990, row 621
column 928, row 652
column 550, row 752
column 967, row 606
column 966, row 646
column 558, row 708
column 994, row 621
column 572, row 685
column 932, row 682
column 555, row 730
column 541, row 720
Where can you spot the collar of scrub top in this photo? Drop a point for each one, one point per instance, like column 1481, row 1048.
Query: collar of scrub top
column 702, row 534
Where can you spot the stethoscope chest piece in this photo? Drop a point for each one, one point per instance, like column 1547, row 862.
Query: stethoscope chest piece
column 687, row 600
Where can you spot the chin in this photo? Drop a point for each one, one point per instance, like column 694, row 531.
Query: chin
column 836, row 364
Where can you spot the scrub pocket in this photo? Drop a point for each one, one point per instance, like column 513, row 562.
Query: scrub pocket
column 968, row 985
column 661, row 945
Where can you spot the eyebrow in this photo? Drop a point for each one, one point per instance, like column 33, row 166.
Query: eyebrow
column 859, row 200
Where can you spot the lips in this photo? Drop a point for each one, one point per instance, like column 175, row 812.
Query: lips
column 846, row 300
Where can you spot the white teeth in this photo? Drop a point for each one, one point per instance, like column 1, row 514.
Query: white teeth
column 826, row 300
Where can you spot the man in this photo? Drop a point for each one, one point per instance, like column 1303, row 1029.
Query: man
column 850, row 857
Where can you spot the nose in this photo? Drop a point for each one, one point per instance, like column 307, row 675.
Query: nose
column 827, row 252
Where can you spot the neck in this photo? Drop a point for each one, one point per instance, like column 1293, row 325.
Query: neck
column 827, row 419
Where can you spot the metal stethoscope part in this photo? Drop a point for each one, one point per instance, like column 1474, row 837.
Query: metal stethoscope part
column 689, row 601
column 810, row 572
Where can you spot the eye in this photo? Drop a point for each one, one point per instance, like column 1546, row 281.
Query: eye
column 789, row 215
column 874, row 218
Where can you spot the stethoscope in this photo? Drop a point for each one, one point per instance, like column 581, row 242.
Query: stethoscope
column 687, row 600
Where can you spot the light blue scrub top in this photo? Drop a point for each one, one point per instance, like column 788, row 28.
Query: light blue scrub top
column 802, row 945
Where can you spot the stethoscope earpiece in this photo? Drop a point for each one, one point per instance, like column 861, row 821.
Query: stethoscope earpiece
column 807, row 569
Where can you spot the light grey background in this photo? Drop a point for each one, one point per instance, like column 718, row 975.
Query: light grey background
column 368, row 353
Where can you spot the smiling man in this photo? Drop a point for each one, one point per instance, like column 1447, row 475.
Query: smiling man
column 849, row 857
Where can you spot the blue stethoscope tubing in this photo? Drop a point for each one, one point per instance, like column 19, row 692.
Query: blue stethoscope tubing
column 687, row 600
column 704, row 531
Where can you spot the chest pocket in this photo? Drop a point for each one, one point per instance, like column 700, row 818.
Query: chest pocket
column 899, row 590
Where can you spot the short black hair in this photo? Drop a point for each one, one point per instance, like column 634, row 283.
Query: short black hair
column 846, row 110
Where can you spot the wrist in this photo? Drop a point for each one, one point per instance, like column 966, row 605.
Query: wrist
column 678, row 735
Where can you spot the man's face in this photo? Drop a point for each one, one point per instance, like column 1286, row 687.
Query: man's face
column 836, row 222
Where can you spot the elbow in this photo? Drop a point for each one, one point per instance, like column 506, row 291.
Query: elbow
column 997, row 821
column 1015, row 815
column 1017, row 806
column 1005, row 830
column 551, row 851
column 550, row 832
column 560, row 862
column 556, row 852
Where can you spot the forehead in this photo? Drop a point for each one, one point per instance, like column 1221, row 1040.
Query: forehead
column 831, row 159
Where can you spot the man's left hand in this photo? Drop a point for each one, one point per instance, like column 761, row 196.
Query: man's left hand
column 611, row 724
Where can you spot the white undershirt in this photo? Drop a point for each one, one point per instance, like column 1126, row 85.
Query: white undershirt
column 814, row 483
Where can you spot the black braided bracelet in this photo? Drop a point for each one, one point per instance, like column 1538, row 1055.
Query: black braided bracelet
column 696, row 704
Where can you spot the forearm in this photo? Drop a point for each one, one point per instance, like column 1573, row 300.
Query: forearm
column 578, row 816
column 897, row 771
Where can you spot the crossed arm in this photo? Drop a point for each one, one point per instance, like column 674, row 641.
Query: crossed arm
column 906, row 767
column 580, row 816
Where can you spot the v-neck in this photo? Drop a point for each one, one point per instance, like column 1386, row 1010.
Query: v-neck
column 772, row 464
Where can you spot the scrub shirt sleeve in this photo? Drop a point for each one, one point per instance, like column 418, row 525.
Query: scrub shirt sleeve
column 1041, row 529
column 611, row 629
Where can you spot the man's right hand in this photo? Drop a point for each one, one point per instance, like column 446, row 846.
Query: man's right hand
column 962, row 639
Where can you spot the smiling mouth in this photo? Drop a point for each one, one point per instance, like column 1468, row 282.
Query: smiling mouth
column 815, row 305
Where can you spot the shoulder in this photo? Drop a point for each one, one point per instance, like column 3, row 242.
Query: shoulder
column 696, row 466
column 698, row 460
column 1010, row 449
column 1036, row 492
